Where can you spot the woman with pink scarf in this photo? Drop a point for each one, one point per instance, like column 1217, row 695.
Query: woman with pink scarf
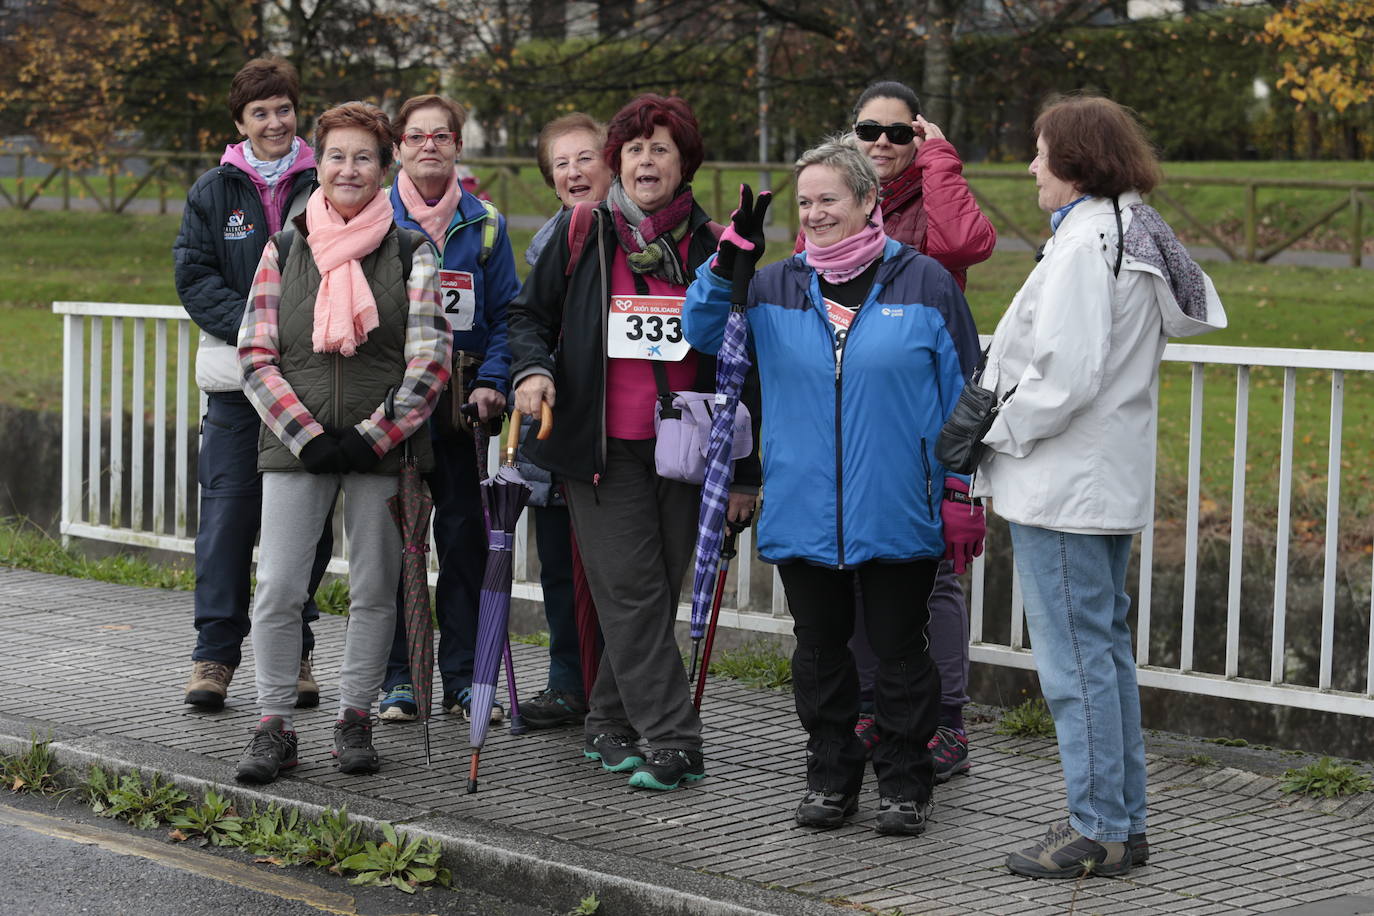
column 859, row 342
column 344, row 350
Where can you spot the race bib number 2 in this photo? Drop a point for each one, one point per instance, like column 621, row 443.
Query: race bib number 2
column 459, row 297
column 646, row 327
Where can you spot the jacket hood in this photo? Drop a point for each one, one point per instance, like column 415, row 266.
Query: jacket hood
column 233, row 156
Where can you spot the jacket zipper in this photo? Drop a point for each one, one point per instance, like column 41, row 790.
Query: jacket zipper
column 930, row 487
column 603, row 317
column 841, row 335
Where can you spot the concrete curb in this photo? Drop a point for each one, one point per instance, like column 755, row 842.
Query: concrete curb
column 507, row 863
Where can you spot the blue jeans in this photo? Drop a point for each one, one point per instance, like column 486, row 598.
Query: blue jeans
column 460, row 537
column 1076, row 604
column 230, row 515
column 553, row 537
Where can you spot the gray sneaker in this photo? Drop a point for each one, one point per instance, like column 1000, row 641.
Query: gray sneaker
column 903, row 816
column 826, row 810
column 1063, row 852
column 271, row 750
column 353, row 743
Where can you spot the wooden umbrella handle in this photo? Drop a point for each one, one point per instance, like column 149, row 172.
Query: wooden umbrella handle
column 513, row 433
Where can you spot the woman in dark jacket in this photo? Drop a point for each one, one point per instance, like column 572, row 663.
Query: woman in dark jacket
column 598, row 340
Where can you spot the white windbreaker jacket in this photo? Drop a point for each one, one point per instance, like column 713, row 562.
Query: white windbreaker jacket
column 1073, row 449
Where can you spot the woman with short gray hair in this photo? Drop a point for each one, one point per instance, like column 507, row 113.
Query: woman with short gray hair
column 859, row 342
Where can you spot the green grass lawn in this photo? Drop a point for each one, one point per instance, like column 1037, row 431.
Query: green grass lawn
column 99, row 257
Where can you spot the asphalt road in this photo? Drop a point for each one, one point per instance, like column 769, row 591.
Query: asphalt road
column 61, row 860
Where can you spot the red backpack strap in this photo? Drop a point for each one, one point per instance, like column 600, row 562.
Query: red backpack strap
column 579, row 227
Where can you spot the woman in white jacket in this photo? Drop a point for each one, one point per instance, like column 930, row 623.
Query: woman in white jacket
column 1070, row 459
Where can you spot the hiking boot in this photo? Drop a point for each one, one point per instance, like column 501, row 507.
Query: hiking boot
column 209, row 685
column 949, row 748
column 399, row 705
column 617, row 753
column 551, row 708
column 307, row 691
column 866, row 727
column 826, row 810
column 900, row 816
column 1063, row 852
column 667, row 768
column 271, row 750
column 1140, row 849
column 353, row 743
column 461, row 702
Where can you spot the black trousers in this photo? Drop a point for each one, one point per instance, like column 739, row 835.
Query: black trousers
column 826, row 682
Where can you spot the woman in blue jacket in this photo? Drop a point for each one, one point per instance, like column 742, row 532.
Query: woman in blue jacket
column 476, row 279
column 858, row 341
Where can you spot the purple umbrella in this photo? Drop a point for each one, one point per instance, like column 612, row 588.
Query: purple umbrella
column 732, row 364
column 504, row 496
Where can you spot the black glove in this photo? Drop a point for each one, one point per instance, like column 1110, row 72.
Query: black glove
column 322, row 455
column 357, row 452
column 742, row 243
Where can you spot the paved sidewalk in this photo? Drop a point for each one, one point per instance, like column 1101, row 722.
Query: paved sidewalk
column 103, row 667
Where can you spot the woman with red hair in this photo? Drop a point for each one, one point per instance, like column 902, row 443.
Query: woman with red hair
column 606, row 367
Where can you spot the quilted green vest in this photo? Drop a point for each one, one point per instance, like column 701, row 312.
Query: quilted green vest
column 341, row 391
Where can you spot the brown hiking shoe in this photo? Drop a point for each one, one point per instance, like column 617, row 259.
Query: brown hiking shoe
column 209, row 685
column 307, row 691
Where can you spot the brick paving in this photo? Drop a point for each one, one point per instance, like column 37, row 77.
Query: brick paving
column 112, row 660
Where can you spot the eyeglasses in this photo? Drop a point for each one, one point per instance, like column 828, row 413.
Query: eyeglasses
column 870, row 131
column 440, row 138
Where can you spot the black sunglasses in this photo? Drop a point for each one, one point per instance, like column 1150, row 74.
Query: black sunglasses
column 870, row 131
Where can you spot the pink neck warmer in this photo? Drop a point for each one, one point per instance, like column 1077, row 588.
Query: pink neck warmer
column 434, row 219
column 849, row 257
column 345, row 310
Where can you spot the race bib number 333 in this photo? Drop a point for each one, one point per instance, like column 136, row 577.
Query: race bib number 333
column 646, row 327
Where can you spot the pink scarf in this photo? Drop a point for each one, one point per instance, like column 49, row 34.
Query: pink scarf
column 345, row 311
column 434, row 220
column 849, row 257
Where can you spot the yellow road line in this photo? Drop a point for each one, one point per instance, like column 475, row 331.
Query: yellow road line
column 184, row 858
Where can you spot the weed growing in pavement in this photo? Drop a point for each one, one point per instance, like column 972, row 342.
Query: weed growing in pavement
column 1227, row 742
column 126, row 798
column 277, row 836
column 537, row 638
column 755, row 664
column 214, row 822
column 34, row 770
column 331, row 840
column 1200, row 760
column 1325, row 779
column 1031, row 719
column 393, row 862
column 586, row 907
column 332, row 597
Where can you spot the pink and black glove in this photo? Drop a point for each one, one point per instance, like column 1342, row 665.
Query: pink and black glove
column 741, row 244
column 965, row 526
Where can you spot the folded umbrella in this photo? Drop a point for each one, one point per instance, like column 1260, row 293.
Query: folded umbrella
column 504, row 496
column 410, row 509
column 727, row 553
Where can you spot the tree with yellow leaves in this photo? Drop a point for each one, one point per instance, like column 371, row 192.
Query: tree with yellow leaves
column 1327, row 51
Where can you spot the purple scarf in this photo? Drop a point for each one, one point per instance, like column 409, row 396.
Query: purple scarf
column 849, row 257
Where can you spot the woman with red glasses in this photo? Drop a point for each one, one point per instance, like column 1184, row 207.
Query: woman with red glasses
column 926, row 204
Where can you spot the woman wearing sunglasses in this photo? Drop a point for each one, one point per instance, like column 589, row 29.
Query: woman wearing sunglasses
column 927, row 204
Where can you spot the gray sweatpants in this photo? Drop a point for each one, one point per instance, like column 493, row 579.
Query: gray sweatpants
column 636, row 532
column 294, row 507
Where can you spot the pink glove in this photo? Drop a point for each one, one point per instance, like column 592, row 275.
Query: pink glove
column 965, row 525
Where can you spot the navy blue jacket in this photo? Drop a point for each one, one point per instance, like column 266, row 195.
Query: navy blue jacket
column 849, row 421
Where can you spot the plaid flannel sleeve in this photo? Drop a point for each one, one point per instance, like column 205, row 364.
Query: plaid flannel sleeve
column 259, row 358
column 429, row 353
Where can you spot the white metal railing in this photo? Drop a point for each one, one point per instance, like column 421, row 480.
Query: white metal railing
column 110, row 493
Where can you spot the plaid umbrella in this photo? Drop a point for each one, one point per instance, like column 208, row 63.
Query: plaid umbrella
column 732, row 364
column 411, row 508
column 504, row 496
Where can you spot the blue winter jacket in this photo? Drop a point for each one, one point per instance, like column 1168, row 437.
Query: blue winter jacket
column 849, row 421
column 494, row 283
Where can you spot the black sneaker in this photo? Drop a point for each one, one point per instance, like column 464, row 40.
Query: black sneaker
column 551, row 708
column 949, row 749
column 826, row 810
column 617, row 753
column 1140, row 849
column 1065, row 853
column 271, row 750
column 667, row 768
column 900, row 816
column 353, row 743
